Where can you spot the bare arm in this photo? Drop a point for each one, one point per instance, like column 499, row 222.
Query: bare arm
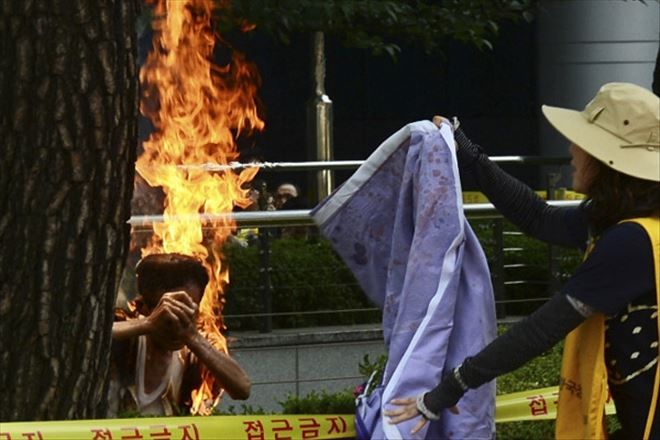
column 127, row 329
column 166, row 324
column 173, row 324
column 225, row 369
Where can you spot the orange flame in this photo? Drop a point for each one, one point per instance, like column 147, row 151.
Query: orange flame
column 200, row 108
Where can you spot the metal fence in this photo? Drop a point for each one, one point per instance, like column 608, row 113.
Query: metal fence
column 506, row 259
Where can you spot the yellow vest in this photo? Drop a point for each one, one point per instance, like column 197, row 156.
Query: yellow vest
column 583, row 383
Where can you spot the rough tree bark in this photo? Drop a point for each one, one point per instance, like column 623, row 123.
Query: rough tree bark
column 68, row 99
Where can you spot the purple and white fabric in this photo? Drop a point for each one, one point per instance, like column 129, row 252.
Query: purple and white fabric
column 398, row 224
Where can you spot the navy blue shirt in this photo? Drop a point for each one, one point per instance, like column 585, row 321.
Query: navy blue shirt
column 618, row 280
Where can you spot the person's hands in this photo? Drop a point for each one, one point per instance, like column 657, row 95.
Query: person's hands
column 173, row 322
column 438, row 120
column 408, row 409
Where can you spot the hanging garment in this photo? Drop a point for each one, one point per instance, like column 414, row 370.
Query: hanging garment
column 398, row 224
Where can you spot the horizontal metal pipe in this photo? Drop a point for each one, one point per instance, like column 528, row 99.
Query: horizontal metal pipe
column 297, row 217
column 278, row 166
column 353, row 164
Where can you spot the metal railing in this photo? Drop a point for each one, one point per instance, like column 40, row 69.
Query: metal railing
column 353, row 164
column 297, row 217
column 265, row 220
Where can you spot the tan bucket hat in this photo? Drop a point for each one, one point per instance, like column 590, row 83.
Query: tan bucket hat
column 620, row 127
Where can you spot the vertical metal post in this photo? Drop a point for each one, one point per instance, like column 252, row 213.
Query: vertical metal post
column 264, row 267
column 497, row 271
column 297, row 368
column 319, row 124
column 554, row 269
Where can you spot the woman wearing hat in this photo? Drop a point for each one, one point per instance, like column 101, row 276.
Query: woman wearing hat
column 608, row 309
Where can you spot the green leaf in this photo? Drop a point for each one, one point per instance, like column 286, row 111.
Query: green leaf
column 392, row 50
column 380, row 25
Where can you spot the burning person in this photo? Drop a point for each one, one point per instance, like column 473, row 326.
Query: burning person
column 158, row 352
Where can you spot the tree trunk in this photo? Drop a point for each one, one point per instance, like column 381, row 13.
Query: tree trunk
column 68, row 94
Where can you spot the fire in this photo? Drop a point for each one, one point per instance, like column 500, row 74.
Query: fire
column 197, row 109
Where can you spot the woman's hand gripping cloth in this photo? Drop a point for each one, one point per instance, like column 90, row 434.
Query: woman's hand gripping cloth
column 398, row 223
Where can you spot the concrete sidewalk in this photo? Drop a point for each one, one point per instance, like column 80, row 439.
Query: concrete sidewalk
column 299, row 361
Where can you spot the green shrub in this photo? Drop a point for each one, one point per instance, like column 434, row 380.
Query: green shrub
column 242, row 409
column 367, row 368
column 534, row 260
column 322, row 402
column 308, row 277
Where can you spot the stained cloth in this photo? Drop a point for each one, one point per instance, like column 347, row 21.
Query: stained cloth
column 398, row 224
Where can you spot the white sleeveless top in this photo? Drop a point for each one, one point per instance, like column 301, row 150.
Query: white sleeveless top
column 152, row 403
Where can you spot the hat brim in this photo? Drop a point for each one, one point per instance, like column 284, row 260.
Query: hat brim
column 602, row 144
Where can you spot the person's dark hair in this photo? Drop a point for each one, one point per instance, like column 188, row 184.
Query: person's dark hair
column 160, row 273
column 614, row 196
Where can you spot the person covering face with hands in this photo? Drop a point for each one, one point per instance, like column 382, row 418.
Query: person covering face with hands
column 609, row 307
column 158, row 351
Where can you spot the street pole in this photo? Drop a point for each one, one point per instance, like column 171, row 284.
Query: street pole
column 319, row 124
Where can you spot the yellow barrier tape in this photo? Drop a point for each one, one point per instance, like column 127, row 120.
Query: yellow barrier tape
column 559, row 194
column 538, row 404
column 258, row 427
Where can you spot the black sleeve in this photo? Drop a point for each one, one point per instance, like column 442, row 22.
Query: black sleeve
column 521, row 343
column 618, row 270
column 517, row 202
